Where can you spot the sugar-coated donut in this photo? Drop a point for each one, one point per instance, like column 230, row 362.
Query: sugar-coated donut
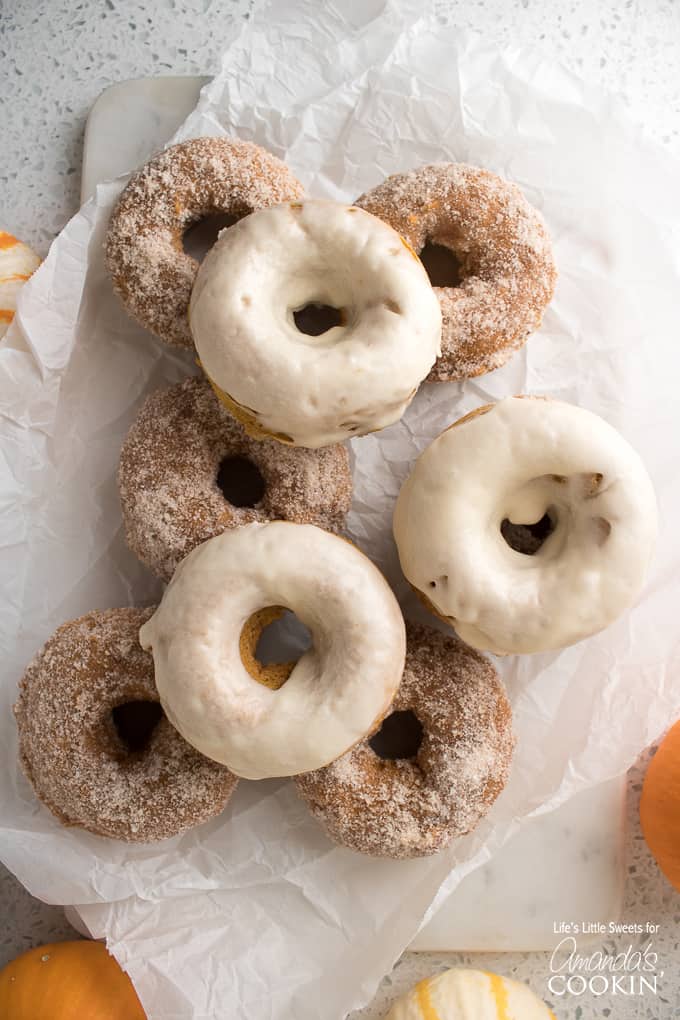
column 357, row 376
column 505, row 262
column 17, row 263
column 527, row 526
column 459, row 744
column 95, row 744
column 183, row 444
column 462, row 994
column 187, row 182
column 337, row 692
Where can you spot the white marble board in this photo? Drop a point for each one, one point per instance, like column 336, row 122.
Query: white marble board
column 565, row 865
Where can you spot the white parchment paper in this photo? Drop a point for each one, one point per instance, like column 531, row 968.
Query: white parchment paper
column 256, row 914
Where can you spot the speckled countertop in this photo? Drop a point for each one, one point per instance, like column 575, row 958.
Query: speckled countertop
column 58, row 55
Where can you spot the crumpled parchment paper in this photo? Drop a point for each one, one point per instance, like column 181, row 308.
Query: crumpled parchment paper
column 256, row 914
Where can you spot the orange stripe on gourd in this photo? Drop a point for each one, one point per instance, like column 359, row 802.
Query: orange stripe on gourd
column 500, row 996
column 424, row 999
column 14, row 277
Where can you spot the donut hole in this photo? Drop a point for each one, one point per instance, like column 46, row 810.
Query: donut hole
column 442, row 265
column 284, row 637
column 199, row 238
column 316, row 318
column 272, row 641
column 528, row 538
column 240, row 481
column 135, row 722
column 399, row 737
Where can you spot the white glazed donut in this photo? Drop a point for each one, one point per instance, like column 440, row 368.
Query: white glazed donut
column 17, row 263
column 337, row 692
column 356, row 377
column 523, row 461
column 461, row 994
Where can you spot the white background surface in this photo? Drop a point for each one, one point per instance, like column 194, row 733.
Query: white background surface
column 56, row 58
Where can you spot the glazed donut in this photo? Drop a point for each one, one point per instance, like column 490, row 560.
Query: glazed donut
column 434, row 768
column 462, row 994
column 357, row 376
column 183, row 444
column 187, row 182
column 94, row 742
column 504, row 259
column 528, row 526
column 17, row 263
column 338, row 690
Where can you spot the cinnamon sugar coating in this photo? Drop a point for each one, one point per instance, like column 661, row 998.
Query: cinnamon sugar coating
column 72, row 753
column 412, row 807
column 167, row 477
column 187, row 182
column 504, row 253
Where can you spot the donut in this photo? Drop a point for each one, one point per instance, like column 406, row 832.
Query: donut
column 528, row 526
column 188, row 470
column 337, row 691
column 462, row 994
column 435, row 767
column 17, row 263
column 95, row 744
column 315, row 322
column 503, row 275
column 151, row 272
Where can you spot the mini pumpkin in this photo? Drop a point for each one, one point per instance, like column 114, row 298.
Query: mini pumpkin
column 660, row 806
column 463, row 994
column 67, row 981
column 17, row 263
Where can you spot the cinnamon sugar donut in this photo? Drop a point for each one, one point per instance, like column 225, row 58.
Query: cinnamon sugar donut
column 95, row 743
column 434, row 768
column 187, row 182
column 188, row 471
column 502, row 248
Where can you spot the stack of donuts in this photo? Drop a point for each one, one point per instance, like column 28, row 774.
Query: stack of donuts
column 524, row 527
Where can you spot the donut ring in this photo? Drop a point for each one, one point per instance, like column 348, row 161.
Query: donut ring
column 18, row 262
column 151, row 272
column 503, row 252
column 339, row 689
column 168, row 477
column 313, row 389
column 415, row 806
column 527, row 527
column 74, row 755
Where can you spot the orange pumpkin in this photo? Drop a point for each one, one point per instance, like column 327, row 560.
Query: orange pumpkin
column 67, row 981
column 17, row 263
column 660, row 806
